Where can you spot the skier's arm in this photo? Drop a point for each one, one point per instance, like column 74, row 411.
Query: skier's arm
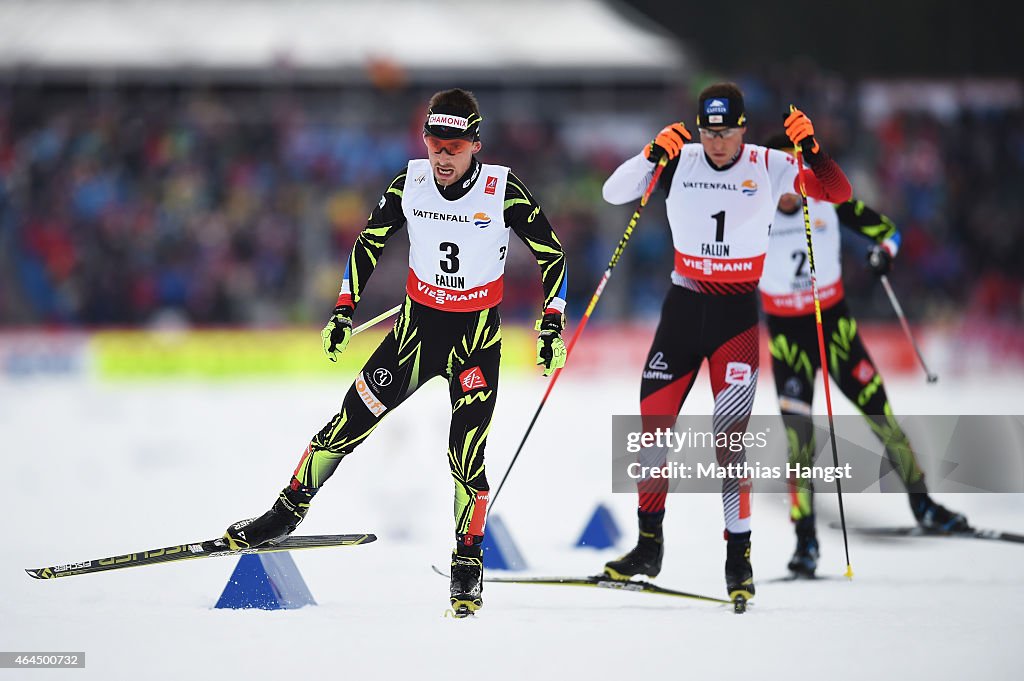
column 524, row 217
column 872, row 224
column 826, row 181
column 860, row 217
column 386, row 219
column 628, row 181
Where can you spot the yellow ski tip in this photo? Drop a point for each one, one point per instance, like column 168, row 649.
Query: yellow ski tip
column 849, row 571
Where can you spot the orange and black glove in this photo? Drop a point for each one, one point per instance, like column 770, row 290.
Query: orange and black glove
column 668, row 143
column 800, row 131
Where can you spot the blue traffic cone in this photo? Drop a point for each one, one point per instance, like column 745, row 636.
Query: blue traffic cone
column 268, row 581
column 500, row 551
column 601, row 531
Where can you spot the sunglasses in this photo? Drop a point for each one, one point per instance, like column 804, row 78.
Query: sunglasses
column 728, row 133
column 451, row 147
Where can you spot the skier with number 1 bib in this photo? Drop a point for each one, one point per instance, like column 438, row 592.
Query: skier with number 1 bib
column 459, row 212
column 720, row 199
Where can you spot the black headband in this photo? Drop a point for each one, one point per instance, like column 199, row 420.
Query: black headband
column 721, row 111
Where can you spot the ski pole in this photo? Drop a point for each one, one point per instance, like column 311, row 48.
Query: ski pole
column 376, row 320
column 821, row 347
column 586, row 316
column 906, row 327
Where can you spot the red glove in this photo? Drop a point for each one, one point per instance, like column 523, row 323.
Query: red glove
column 800, row 131
column 669, row 142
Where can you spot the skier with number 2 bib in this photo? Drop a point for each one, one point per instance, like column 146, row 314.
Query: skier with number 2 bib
column 789, row 315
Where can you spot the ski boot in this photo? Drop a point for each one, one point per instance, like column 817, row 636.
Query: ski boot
column 645, row 557
column 274, row 525
column 467, row 586
column 739, row 574
column 935, row 518
column 805, row 559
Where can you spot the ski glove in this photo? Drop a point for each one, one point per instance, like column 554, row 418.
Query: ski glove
column 550, row 346
column 338, row 332
column 801, row 132
column 879, row 260
column 669, row 142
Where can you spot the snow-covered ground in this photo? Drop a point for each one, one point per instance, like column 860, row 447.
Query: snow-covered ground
column 92, row 470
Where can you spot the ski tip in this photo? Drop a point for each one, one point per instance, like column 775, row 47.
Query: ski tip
column 39, row 573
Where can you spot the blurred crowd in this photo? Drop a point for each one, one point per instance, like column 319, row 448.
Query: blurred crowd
column 226, row 206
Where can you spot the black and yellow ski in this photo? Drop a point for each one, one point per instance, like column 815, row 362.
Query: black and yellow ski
column 601, row 582
column 203, row 549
